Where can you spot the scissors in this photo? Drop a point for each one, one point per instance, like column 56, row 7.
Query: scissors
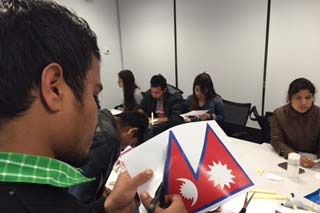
column 246, row 202
column 159, row 196
column 158, row 199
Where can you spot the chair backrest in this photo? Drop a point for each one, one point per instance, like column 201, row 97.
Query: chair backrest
column 236, row 113
column 267, row 129
column 263, row 121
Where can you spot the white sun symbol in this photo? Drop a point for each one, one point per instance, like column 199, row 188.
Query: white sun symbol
column 220, row 175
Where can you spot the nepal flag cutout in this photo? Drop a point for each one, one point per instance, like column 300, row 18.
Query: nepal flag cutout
column 217, row 177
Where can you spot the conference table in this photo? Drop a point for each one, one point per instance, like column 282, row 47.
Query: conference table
column 260, row 161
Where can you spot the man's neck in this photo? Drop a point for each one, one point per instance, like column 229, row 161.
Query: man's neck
column 14, row 134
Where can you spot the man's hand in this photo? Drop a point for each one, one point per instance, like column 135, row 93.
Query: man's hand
column 175, row 203
column 162, row 120
column 123, row 197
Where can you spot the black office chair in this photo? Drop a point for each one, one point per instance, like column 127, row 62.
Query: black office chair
column 264, row 123
column 235, row 118
column 236, row 113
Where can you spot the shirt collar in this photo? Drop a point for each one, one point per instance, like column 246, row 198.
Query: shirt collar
column 23, row 168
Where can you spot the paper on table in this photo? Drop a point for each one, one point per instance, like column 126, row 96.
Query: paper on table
column 193, row 113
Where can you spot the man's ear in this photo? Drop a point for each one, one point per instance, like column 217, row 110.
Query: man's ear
column 52, row 85
column 132, row 131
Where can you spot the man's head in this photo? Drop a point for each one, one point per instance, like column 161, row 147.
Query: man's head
column 50, row 75
column 131, row 126
column 158, row 86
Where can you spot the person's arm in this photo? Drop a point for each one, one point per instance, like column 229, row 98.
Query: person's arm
column 176, row 105
column 278, row 138
column 219, row 109
column 215, row 110
column 143, row 104
column 186, row 105
column 138, row 96
column 308, row 162
column 147, row 104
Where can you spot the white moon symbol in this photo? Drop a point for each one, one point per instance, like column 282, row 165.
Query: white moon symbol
column 188, row 190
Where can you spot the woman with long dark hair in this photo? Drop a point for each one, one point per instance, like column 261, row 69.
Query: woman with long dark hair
column 131, row 92
column 204, row 97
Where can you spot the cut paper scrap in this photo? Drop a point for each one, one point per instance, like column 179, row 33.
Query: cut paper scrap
column 260, row 171
column 274, row 177
column 197, row 165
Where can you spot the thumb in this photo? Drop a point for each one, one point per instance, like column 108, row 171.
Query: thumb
column 145, row 199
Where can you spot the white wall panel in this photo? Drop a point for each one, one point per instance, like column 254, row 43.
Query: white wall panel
column 294, row 47
column 226, row 38
column 147, row 35
column 102, row 16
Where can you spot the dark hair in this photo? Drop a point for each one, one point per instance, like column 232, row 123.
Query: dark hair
column 34, row 34
column 203, row 80
column 129, row 86
column 135, row 119
column 300, row 84
column 158, row 81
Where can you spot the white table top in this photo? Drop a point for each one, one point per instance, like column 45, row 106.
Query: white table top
column 254, row 156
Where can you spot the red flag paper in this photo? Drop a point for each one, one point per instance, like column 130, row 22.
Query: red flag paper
column 217, row 177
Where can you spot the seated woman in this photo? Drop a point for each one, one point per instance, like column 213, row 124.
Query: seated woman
column 295, row 127
column 131, row 92
column 204, row 97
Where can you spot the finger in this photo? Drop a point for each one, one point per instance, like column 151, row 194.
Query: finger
column 141, row 178
column 174, row 198
column 145, row 199
column 176, row 202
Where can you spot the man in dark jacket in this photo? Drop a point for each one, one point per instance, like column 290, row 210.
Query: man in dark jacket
column 163, row 104
column 113, row 133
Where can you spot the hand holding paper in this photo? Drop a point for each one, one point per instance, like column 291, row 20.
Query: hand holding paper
column 193, row 114
column 122, row 197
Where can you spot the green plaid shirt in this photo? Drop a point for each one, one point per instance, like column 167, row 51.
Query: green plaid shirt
column 23, row 168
